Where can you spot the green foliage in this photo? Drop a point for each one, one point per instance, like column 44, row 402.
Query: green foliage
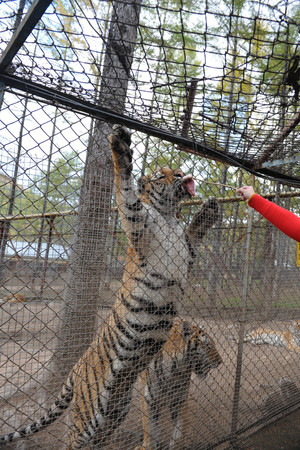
column 61, row 186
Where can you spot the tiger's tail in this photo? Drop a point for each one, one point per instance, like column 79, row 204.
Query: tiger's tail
column 56, row 409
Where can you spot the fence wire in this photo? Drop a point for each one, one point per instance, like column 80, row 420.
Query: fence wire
column 216, row 94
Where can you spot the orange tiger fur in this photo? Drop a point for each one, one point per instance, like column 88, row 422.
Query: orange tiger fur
column 166, row 381
column 158, row 258
column 288, row 339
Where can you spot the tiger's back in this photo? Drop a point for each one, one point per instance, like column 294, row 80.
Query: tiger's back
column 289, row 339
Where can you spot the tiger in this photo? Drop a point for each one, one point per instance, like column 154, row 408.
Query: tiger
column 99, row 386
column 288, row 339
column 166, row 381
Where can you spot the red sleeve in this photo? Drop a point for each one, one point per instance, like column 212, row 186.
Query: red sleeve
column 284, row 220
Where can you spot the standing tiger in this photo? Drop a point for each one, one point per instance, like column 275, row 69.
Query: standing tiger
column 157, row 262
column 166, row 381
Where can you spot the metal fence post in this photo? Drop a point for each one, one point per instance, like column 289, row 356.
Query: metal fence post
column 2, row 88
column 239, row 361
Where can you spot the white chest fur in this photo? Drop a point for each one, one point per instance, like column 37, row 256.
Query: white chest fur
column 168, row 252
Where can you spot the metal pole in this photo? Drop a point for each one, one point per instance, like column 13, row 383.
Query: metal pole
column 2, row 88
column 13, row 192
column 32, row 17
column 49, row 242
column 238, row 373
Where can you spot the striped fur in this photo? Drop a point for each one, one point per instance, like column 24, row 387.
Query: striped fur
column 287, row 339
column 166, row 381
column 157, row 262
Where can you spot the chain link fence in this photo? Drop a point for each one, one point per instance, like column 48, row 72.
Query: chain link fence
column 228, row 119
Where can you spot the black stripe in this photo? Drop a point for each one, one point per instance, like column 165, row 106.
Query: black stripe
column 136, row 206
column 159, row 368
column 151, row 285
column 190, row 247
column 136, row 343
column 99, row 404
column 162, row 324
column 148, row 284
column 149, row 384
column 165, row 279
column 157, row 199
column 136, row 236
column 82, row 439
column 107, row 347
column 150, row 307
column 86, row 409
column 180, row 287
column 128, row 306
column 121, row 357
column 126, row 346
column 21, row 432
column 120, row 327
column 134, row 218
column 159, row 276
column 10, row 437
column 77, row 429
column 173, row 365
column 44, row 421
column 152, row 346
column 92, row 414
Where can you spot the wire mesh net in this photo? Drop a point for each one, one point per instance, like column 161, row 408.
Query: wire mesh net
column 212, row 93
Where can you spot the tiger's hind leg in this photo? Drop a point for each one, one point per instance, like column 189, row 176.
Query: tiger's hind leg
column 150, row 417
column 179, row 409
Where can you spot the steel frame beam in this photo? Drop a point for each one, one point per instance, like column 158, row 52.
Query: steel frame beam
column 32, row 17
column 75, row 104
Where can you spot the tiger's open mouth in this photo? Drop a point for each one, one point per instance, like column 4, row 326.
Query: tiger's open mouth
column 188, row 186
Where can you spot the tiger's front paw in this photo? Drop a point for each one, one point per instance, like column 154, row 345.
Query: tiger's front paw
column 210, row 210
column 120, row 141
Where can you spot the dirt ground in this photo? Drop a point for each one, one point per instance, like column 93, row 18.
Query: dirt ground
column 269, row 383
column 284, row 434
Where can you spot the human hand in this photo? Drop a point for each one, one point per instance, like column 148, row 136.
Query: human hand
column 245, row 192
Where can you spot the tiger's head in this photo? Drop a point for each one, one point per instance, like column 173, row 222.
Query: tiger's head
column 166, row 188
column 201, row 350
column 295, row 328
column 196, row 347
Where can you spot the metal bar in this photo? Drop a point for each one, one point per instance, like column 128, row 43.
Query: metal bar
column 60, row 239
column 239, row 362
column 49, row 241
column 197, row 148
column 4, row 234
column 186, row 203
column 74, row 103
column 38, row 215
column 32, row 17
column 13, row 183
column 2, row 230
column 2, row 89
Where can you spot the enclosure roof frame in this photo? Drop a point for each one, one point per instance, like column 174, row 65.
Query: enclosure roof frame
column 34, row 14
column 261, row 167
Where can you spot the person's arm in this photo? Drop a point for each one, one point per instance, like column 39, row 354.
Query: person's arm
column 284, row 220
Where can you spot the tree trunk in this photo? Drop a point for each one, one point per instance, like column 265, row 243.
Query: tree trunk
column 89, row 248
